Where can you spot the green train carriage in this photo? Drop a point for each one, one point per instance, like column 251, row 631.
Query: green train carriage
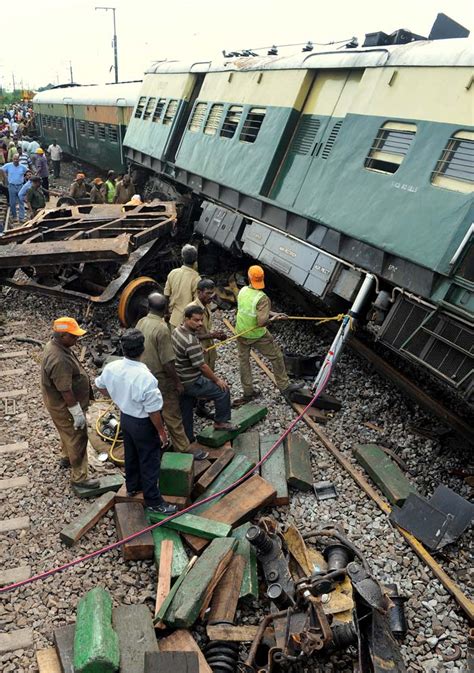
column 89, row 122
column 328, row 165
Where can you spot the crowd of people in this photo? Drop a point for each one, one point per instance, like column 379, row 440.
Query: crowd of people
column 114, row 189
column 167, row 375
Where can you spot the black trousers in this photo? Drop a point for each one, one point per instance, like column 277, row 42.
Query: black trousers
column 56, row 168
column 142, row 447
column 45, row 186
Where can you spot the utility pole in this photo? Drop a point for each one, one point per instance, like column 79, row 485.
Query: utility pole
column 70, row 72
column 114, row 41
column 13, row 80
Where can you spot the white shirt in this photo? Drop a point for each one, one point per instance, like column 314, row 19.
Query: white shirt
column 132, row 387
column 33, row 146
column 55, row 151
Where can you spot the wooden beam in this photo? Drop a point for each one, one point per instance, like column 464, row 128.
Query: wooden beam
column 134, row 627
column 16, row 523
column 13, row 575
column 8, row 449
column 274, row 469
column 48, row 661
column 193, row 525
column 214, row 471
column 14, row 482
column 85, row 521
column 227, row 592
column 236, row 507
column 235, row 634
column 21, row 639
column 129, row 519
column 182, row 641
column 164, row 574
column 13, row 354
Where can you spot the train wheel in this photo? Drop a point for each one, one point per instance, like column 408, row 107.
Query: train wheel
column 133, row 300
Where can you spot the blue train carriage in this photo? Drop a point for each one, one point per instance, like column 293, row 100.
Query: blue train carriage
column 327, row 165
column 89, row 122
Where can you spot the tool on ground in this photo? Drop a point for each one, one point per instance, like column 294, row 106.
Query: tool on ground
column 324, row 490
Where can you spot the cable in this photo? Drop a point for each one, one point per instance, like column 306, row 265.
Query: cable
column 115, row 545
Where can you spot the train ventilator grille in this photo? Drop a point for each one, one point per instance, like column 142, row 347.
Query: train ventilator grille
column 439, row 341
column 331, row 140
column 305, row 135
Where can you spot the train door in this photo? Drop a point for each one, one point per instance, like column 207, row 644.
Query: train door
column 319, row 123
column 71, row 128
column 182, row 121
column 121, row 126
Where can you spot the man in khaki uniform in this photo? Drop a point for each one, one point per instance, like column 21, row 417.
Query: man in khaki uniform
column 253, row 315
column 159, row 357
column 181, row 285
column 125, row 190
column 78, row 189
column 66, row 394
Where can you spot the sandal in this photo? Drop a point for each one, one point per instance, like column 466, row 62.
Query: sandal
column 228, row 427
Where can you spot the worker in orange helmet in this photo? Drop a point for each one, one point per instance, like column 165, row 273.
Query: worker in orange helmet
column 67, row 392
column 253, row 315
column 78, row 189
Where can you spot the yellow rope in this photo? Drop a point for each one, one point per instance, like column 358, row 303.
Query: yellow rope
column 319, row 319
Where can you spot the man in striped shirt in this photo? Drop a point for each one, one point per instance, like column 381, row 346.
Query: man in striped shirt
column 197, row 377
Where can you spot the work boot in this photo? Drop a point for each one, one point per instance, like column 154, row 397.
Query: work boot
column 87, row 483
column 291, row 389
column 163, row 508
column 64, row 463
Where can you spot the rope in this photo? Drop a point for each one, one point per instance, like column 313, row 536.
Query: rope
column 319, row 319
column 115, row 545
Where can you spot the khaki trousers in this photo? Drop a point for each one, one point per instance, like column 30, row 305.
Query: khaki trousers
column 267, row 346
column 73, row 443
column 210, row 358
column 172, row 417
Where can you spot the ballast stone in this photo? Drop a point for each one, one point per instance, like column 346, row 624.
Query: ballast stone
column 96, row 645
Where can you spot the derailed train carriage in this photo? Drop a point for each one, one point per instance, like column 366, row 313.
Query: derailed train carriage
column 328, row 165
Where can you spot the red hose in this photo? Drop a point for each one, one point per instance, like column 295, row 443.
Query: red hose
column 103, row 550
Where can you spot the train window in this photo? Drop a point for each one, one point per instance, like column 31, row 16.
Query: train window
column 150, row 106
column 170, row 112
column 60, row 123
column 81, row 127
column 251, row 127
column 197, row 118
column 159, row 109
column 112, row 133
column 231, row 121
column 140, row 106
column 390, row 147
column 455, row 167
column 101, row 131
column 91, row 129
column 214, row 119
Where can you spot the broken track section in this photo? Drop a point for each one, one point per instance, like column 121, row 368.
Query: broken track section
column 86, row 251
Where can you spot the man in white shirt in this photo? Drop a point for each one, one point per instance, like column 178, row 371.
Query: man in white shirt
column 55, row 152
column 135, row 391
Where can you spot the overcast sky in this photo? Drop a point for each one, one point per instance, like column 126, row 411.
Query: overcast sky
column 39, row 38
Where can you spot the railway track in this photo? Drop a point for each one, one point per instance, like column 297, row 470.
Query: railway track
column 437, row 626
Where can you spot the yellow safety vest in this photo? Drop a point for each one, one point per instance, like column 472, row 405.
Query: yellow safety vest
column 247, row 301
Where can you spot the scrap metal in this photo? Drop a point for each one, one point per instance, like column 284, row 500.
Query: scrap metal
column 85, row 251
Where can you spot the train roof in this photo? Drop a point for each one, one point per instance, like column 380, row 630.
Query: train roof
column 453, row 52
column 123, row 94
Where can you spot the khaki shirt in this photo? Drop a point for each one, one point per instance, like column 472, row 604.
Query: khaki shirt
column 96, row 195
column 62, row 371
column 181, row 288
column 78, row 191
column 206, row 323
column 158, row 348
column 123, row 194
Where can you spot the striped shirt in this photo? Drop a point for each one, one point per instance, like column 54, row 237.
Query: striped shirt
column 189, row 354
